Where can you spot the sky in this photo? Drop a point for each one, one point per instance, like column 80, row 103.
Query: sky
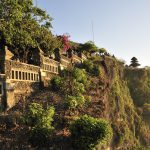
column 120, row 26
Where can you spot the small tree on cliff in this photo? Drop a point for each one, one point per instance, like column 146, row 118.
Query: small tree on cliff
column 134, row 62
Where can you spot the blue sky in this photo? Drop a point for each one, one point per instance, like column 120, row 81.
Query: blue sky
column 120, row 26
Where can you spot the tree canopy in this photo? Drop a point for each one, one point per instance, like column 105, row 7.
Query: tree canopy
column 24, row 27
column 88, row 47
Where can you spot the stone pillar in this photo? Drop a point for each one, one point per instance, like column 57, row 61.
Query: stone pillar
column 10, row 94
column 7, row 98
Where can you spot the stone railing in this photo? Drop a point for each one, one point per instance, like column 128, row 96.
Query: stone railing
column 76, row 59
column 20, row 71
column 65, row 61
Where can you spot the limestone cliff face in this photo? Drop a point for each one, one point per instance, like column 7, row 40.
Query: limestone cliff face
column 112, row 100
column 138, row 80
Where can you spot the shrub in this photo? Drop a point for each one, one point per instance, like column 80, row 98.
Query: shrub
column 37, row 116
column 80, row 100
column 79, row 75
column 94, row 69
column 73, row 102
column 41, row 122
column 56, row 83
column 78, row 88
column 88, row 65
column 87, row 132
column 88, row 100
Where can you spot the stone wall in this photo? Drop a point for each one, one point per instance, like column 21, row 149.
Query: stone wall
column 76, row 59
column 83, row 57
column 49, row 68
column 21, row 79
column 65, row 61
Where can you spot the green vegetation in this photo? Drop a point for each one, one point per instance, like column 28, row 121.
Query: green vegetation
column 73, row 102
column 91, row 68
column 56, row 83
column 79, row 75
column 146, row 113
column 72, row 84
column 87, row 132
column 79, row 92
column 24, row 27
column 138, row 82
column 98, row 87
column 40, row 121
column 88, row 48
column 127, row 124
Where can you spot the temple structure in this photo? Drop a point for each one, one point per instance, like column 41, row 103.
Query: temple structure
column 18, row 79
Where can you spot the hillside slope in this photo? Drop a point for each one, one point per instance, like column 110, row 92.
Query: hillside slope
column 110, row 99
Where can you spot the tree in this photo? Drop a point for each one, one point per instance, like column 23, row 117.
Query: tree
column 74, row 45
column 134, row 62
column 24, row 27
column 46, row 41
column 102, row 51
column 88, row 47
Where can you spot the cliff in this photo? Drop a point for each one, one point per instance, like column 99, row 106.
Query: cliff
column 110, row 100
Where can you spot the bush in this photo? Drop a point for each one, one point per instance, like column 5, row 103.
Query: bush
column 39, row 117
column 73, row 102
column 79, row 75
column 94, row 69
column 56, row 83
column 80, row 100
column 87, row 132
column 88, row 100
column 78, row 88
column 88, row 65
column 41, row 122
